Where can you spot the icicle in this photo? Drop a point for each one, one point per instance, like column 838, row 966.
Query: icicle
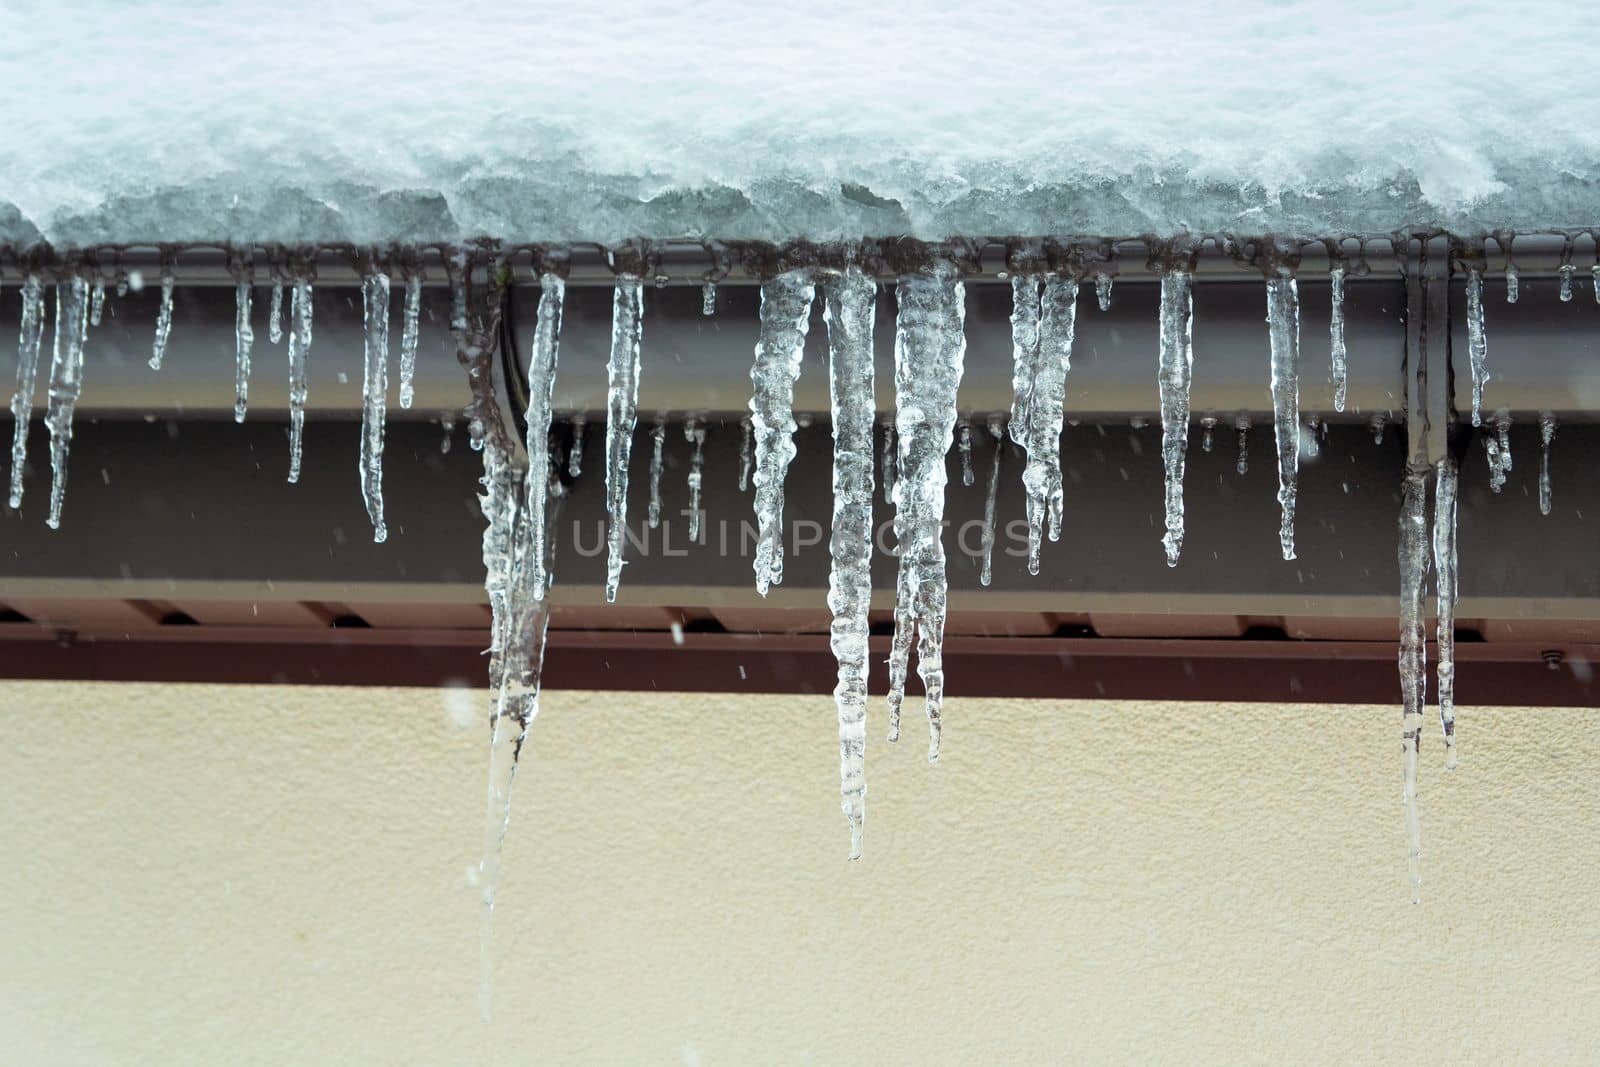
column 27, row 371
column 1283, row 324
column 1176, row 368
column 244, row 337
column 708, row 298
column 1336, row 338
column 1025, row 314
column 163, row 318
column 1242, row 425
column 97, row 301
column 66, row 381
column 849, row 309
column 275, row 316
column 1378, row 421
column 1444, row 566
column 997, row 432
column 785, row 316
column 580, row 424
column 299, row 349
column 965, row 446
column 124, row 284
column 658, row 443
column 1310, row 443
column 1547, row 433
column 1413, row 655
column 1102, row 290
column 695, row 434
column 1498, row 448
column 1042, row 411
column 1511, row 283
column 929, row 348
column 541, row 396
column 408, row 338
column 1207, row 426
column 1567, row 270
column 447, row 423
column 1477, row 343
column 887, row 474
column 622, row 377
column 374, row 392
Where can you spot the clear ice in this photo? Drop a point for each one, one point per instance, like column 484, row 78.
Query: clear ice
column 1283, row 325
column 1102, row 291
column 1444, row 566
column 708, row 298
column 849, row 309
column 887, row 472
column 244, row 337
column 411, row 314
column 964, row 445
column 541, row 395
column 1336, row 339
column 66, row 381
column 1242, row 425
column 929, row 350
column 1547, row 433
column 1413, row 656
column 580, row 426
column 299, row 349
column 1477, row 343
column 275, row 316
column 1173, row 377
column 785, row 317
column 1567, row 270
column 658, row 444
column 1046, row 336
column 997, row 438
column 374, row 392
column 97, row 300
column 622, row 399
column 163, row 320
column 28, row 346
column 1498, row 448
column 747, row 452
column 695, row 434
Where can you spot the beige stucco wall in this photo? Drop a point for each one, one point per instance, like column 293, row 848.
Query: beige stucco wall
column 270, row 875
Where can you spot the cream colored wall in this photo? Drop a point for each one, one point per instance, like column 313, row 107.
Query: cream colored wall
column 269, row 875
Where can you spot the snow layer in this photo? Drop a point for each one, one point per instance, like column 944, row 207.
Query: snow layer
column 399, row 120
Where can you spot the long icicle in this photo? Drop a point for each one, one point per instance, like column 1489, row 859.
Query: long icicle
column 541, row 399
column 410, row 317
column 1176, row 370
column 66, row 381
column 374, row 395
column 997, row 436
column 658, row 444
column 28, row 346
column 1477, row 343
column 785, row 318
column 1341, row 370
column 622, row 400
column 849, row 312
column 244, row 337
column 747, row 452
column 275, row 315
column 1445, row 572
column 1025, row 314
column 299, row 350
column 1044, row 412
column 1283, row 325
column 929, row 349
column 1413, row 657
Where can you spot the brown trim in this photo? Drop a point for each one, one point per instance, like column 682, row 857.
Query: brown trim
column 1288, row 672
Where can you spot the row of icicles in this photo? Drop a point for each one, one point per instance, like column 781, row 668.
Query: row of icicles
column 928, row 359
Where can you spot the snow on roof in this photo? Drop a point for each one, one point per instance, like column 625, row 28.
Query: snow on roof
column 378, row 120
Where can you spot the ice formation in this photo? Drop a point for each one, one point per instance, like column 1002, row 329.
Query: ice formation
column 1283, row 325
column 998, row 440
column 1547, row 433
column 244, row 337
column 622, row 398
column 580, row 427
column 541, row 392
column 1242, row 425
column 889, row 461
column 1413, row 656
column 408, row 337
column 929, row 349
column 1445, row 574
column 1042, row 330
column 1477, row 343
column 785, row 316
column 299, row 349
column 964, row 445
column 28, row 346
column 374, row 393
column 275, row 316
column 1173, row 375
column 66, row 382
column 747, row 452
column 1498, row 449
column 1339, row 360
column 658, row 444
column 850, row 307
column 695, row 434
column 163, row 316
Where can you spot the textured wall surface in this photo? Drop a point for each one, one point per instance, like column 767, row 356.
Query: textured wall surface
column 266, row 875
